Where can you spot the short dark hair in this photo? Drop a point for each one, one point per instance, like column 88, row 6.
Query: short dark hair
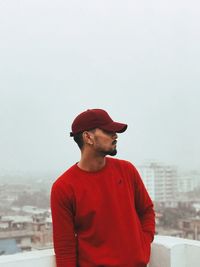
column 78, row 138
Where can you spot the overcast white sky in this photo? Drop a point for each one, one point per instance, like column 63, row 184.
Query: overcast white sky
column 139, row 60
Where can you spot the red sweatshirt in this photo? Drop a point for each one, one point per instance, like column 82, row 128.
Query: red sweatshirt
column 103, row 218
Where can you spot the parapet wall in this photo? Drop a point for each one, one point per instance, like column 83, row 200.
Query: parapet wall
column 166, row 252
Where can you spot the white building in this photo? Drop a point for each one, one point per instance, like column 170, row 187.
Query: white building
column 188, row 182
column 160, row 181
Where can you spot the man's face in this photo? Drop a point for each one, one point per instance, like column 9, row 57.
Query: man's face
column 105, row 142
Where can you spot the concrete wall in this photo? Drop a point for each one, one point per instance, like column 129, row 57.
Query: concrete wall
column 166, row 252
column 42, row 258
column 175, row 252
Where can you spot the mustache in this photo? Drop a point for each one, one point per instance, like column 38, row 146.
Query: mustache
column 114, row 142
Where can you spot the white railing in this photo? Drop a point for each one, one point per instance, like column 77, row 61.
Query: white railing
column 170, row 251
column 39, row 258
column 166, row 252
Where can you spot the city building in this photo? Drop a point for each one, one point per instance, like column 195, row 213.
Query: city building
column 190, row 228
column 20, row 233
column 160, row 181
column 188, row 182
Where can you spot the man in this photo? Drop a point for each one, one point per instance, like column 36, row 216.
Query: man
column 102, row 214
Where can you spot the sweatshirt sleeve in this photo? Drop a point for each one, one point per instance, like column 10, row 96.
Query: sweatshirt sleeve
column 144, row 206
column 63, row 226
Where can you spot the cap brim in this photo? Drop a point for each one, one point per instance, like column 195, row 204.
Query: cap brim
column 116, row 127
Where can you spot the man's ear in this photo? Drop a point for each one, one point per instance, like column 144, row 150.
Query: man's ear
column 88, row 138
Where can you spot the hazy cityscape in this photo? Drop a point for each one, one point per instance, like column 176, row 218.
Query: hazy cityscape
column 138, row 60
column 25, row 215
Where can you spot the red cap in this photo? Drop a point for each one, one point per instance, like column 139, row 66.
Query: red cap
column 96, row 118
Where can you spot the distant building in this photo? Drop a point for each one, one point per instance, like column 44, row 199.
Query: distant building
column 160, row 181
column 25, row 232
column 190, row 227
column 188, row 182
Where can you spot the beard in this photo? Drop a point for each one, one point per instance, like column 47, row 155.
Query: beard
column 103, row 151
column 112, row 152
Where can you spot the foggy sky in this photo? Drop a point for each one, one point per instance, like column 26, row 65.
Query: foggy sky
column 139, row 60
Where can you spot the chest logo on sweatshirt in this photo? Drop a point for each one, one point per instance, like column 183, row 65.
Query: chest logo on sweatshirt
column 119, row 181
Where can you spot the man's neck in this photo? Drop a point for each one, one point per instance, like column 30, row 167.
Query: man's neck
column 91, row 163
